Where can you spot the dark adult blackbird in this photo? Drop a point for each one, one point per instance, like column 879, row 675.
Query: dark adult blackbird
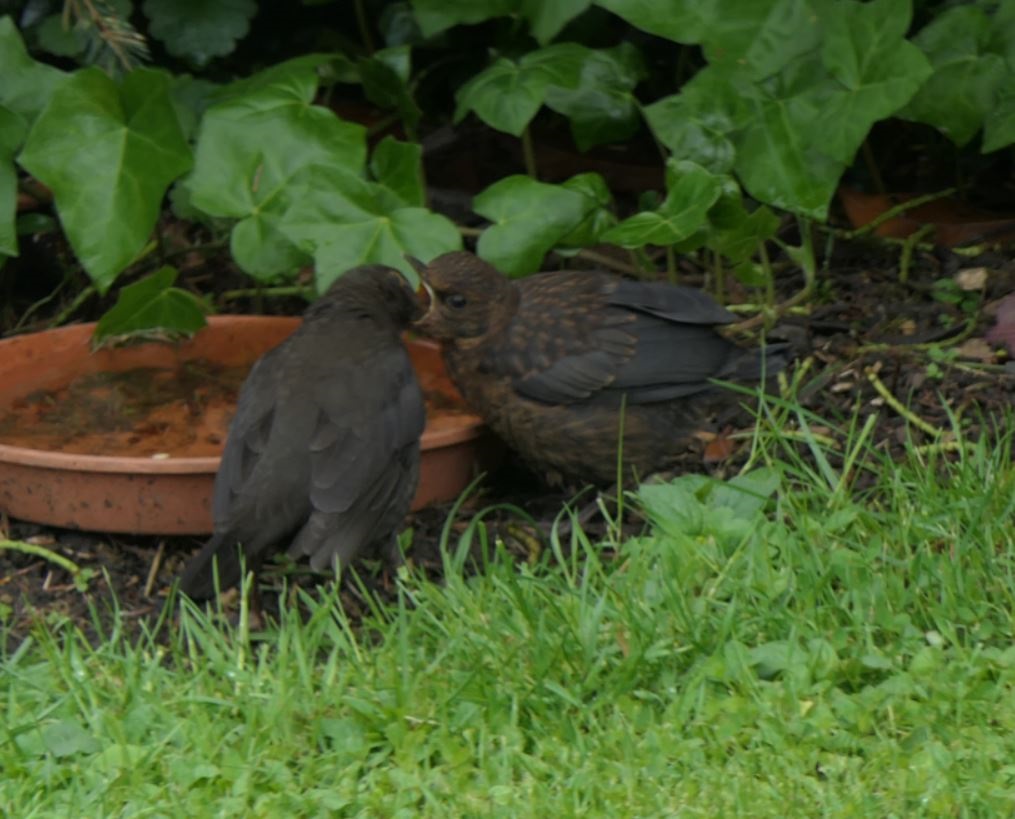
column 323, row 452
column 549, row 362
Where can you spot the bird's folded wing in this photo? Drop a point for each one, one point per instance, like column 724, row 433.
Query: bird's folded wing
column 646, row 342
column 248, row 432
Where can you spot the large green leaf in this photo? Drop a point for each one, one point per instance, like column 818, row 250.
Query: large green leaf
column 698, row 124
column 546, row 19
column 152, row 303
column 252, row 146
column 602, row 107
column 529, row 218
column 598, row 217
column 435, row 16
column 108, row 153
column 197, row 30
column 399, row 167
column 865, row 50
column 27, row 85
column 684, row 21
column 12, row 130
column 734, row 231
column 967, row 74
column 507, row 95
column 344, row 221
column 760, row 38
column 999, row 126
column 385, row 78
column 691, row 191
column 780, row 157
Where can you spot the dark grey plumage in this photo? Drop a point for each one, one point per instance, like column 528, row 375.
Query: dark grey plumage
column 322, row 456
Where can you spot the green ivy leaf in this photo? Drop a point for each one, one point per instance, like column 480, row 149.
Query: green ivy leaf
column 152, row 303
column 27, row 85
column 865, row 50
column 734, row 231
column 12, row 131
column 967, row 74
column 384, row 239
column 53, row 36
column 760, row 38
column 599, row 217
column 344, row 221
column 399, row 167
column 691, row 191
column 251, row 147
column 198, row 31
column 999, row 125
column 602, row 107
column 698, row 124
column 529, row 218
column 547, row 19
column 435, row 16
column 683, row 21
column 507, row 95
column 385, row 77
column 108, row 153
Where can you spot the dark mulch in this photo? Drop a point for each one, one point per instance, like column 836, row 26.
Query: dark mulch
column 862, row 320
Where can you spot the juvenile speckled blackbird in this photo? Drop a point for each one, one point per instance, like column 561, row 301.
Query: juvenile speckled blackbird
column 323, row 452
column 548, row 360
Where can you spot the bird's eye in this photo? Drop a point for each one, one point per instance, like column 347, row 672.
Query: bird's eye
column 456, row 301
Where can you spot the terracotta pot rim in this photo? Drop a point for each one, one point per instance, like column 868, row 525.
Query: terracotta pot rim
column 468, row 428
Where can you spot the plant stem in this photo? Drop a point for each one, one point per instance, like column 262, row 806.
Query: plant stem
column 257, row 292
column 872, row 166
column 364, row 26
column 719, row 274
column 68, row 311
column 606, row 261
column 899, row 407
column 897, row 210
column 41, row 551
column 671, row 264
column 766, row 265
column 529, row 154
column 907, row 250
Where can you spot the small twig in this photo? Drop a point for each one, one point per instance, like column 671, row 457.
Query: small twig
column 897, row 210
column 256, row 292
column 529, row 153
column 607, row 261
column 778, row 310
column 364, row 26
column 872, row 166
column 39, row 304
column 470, row 231
column 205, row 247
column 899, row 407
column 951, row 341
column 68, row 311
column 41, row 551
column 153, row 570
column 906, row 257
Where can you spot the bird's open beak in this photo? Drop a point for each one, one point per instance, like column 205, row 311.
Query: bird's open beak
column 425, row 292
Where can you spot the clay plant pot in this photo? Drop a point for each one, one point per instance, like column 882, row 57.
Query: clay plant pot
column 157, row 478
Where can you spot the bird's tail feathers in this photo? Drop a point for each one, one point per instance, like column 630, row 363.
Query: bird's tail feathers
column 217, row 556
column 762, row 363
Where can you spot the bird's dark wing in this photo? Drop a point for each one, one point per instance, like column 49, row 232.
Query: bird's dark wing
column 249, row 430
column 587, row 336
column 364, row 459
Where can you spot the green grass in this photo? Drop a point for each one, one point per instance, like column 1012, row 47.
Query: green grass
column 827, row 636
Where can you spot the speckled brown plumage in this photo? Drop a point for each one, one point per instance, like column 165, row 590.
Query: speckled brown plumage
column 549, row 361
column 322, row 456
